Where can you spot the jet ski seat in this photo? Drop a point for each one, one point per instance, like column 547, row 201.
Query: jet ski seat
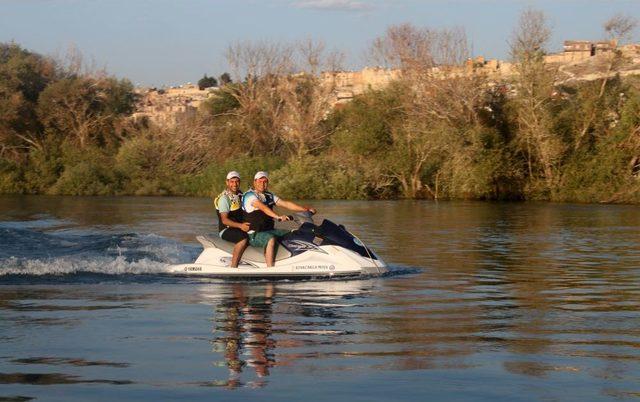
column 252, row 254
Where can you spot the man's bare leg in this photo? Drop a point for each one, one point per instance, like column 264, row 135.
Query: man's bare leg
column 238, row 249
column 269, row 252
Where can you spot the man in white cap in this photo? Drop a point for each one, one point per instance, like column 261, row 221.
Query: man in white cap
column 258, row 204
column 230, row 217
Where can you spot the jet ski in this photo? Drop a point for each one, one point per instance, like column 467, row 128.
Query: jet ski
column 310, row 251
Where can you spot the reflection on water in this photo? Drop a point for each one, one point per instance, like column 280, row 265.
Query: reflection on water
column 14, row 398
column 243, row 327
column 258, row 326
column 64, row 361
column 501, row 301
column 51, row 379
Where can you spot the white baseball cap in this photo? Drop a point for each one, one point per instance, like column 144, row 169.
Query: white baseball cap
column 233, row 174
column 260, row 175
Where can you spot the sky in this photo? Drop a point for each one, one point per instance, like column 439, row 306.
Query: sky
column 172, row 42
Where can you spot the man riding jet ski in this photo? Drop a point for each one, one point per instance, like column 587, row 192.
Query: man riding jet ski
column 257, row 204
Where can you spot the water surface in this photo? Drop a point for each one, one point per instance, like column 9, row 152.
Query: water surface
column 485, row 301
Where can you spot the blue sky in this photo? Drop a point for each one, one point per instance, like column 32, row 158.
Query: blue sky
column 168, row 42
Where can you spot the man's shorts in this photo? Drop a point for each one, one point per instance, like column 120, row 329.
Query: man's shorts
column 234, row 235
column 260, row 239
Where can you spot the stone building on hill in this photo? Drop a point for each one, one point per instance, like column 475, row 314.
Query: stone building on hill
column 585, row 46
column 166, row 107
column 351, row 83
column 577, row 50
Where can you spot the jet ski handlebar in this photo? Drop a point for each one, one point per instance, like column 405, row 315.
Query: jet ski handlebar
column 300, row 217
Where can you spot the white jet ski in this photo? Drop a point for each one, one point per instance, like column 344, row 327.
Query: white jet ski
column 325, row 250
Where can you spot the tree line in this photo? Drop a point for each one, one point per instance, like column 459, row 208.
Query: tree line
column 432, row 133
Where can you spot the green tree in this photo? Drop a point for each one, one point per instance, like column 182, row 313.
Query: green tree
column 224, row 79
column 531, row 111
column 86, row 109
column 207, row 82
column 23, row 76
column 617, row 29
column 221, row 103
column 362, row 134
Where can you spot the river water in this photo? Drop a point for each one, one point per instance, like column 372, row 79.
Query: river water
column 485, row 301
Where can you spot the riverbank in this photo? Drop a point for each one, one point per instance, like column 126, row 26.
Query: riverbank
column 312, row 179
column 432, row 133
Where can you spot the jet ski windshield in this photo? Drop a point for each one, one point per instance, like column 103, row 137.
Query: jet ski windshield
column 333, row 234
column 309, row 236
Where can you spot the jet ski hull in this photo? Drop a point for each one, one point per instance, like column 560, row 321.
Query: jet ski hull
column 326, row 250
column 329, row 261
column 271, row 272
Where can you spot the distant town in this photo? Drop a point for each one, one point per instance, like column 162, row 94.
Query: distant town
column 579, row 61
